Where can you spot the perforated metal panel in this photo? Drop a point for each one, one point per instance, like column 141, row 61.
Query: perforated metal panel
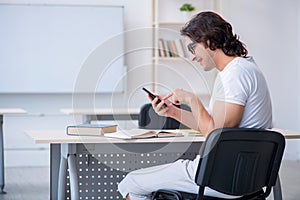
column 100, row 173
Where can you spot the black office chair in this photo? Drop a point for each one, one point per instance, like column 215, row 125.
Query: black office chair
column 148, row 119
column 238, row 162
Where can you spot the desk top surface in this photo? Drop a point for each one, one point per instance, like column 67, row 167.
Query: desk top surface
column 60, row 137
column 101, row 111
column 12, row 111
column 288, row 134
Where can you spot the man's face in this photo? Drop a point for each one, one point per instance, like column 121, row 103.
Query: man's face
column 204, row 56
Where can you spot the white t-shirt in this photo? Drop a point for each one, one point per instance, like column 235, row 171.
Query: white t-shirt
column 241, row 82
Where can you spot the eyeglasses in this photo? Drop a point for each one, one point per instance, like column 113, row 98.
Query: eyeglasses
column 191, row 47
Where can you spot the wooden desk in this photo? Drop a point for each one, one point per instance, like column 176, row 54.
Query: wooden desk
column 99, row 163
column 107, row 160
column 5, row 111
column 288, row 134
column 104, row 114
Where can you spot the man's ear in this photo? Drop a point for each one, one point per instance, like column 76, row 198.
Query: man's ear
column 212, row 46
column 207, row 44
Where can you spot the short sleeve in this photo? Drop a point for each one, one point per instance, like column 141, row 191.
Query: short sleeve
column 233, row 87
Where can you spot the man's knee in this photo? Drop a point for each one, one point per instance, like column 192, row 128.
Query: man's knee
column 125, row 185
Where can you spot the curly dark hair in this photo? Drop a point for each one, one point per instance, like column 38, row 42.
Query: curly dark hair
column 214, row 32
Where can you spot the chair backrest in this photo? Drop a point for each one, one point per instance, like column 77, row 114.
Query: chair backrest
column 148, row 119
column 240, row 161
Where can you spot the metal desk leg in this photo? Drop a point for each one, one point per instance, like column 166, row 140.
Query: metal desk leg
column 62, row 177
column 1, row 156
column 68, row 159
column 73, row 177
column 54, row 169
column 277, row 190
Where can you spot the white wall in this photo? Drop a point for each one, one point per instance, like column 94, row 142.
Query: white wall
column 270, row 29
column 43, row 109
column 267, row 27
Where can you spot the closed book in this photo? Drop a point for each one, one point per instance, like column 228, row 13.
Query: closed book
column 174, row 49
column 170, row 47
column 179, row 47
column 168, row 51
column 91, row 129
column 143, row 133
column 162, row 48
column 185, row 51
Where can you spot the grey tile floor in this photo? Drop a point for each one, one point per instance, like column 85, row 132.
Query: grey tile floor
column 26, row 183
column 290, row 180
column 32, row 183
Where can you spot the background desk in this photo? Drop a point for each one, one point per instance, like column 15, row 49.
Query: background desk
column 4, row 111
column 98, row 164
column 104, row 114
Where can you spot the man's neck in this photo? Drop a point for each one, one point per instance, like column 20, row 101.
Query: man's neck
column 222, row 60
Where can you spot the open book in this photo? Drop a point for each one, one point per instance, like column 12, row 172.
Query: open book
column 143, row 133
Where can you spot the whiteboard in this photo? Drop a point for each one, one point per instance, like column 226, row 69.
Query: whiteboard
column 61, row 48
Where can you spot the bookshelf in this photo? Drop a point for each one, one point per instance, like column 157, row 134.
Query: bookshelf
column 171, row 65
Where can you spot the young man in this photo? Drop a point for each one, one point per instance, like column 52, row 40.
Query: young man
column 240, row 98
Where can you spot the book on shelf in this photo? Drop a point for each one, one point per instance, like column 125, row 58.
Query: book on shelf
column 162, row 48
column 180, row 48
column 168, row 50
column 143, row 133
column 91, row 129
column 171, row 48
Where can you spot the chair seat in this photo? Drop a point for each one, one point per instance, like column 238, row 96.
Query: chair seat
column 173, row 195
column 179, row 195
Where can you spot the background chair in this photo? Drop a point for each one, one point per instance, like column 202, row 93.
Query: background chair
column 239, row 162
column 148, row 119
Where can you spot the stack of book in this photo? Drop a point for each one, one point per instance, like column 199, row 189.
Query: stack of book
column 91, row 129
column 171, row 48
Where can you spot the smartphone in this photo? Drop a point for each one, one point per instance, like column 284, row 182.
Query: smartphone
column 153, row 96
